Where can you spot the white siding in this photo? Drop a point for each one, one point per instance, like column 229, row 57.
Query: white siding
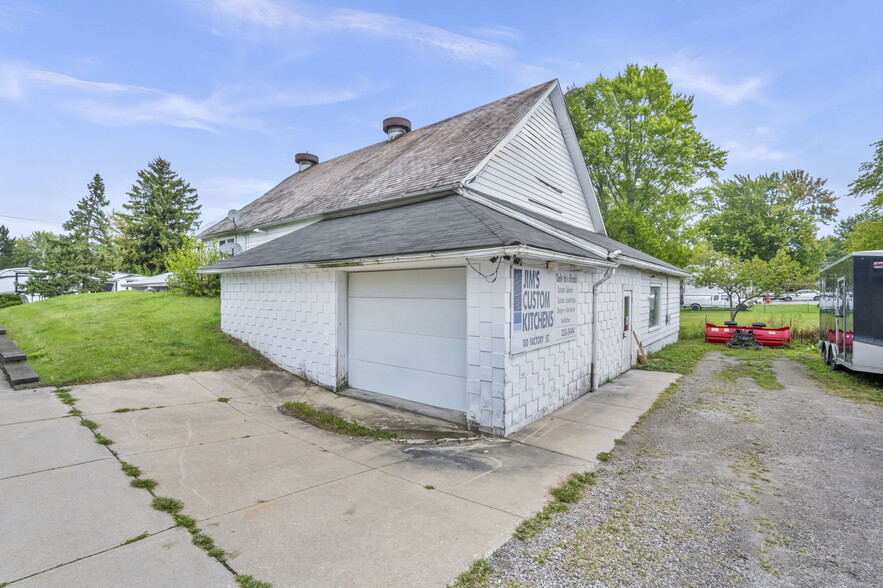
column 289, row 315
column 537, row 154
column 250, row 239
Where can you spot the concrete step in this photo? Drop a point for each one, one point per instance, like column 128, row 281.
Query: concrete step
column 2, row 330
column 9, row 351
column 20, row 373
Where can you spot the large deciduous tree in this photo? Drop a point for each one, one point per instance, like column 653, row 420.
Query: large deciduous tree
column 747, row 217
column 162, row 211
column 867, row 233
column 644, row 156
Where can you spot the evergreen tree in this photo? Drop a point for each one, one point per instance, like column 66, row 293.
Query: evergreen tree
column 162, row 211
column 7, row 248
column 81, row 260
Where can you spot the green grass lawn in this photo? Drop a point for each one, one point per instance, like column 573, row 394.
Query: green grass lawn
column 803, row 320
column 122, row 335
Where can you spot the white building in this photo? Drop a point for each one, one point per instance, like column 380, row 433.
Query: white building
column 461, row 269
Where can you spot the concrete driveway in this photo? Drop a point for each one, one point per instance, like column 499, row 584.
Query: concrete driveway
column 291, row 504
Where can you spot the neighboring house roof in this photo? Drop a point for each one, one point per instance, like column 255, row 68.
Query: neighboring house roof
column 449, row 223
column 433, row 157
column 148, row 281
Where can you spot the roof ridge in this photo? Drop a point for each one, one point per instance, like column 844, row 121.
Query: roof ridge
column 474, row 209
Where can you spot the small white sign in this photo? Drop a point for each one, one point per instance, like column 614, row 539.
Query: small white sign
column 543, row 308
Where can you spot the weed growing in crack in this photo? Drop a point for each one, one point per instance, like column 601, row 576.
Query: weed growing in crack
column 102, row 440
column 134, row 539
column 130, row 470
column 569, row 492
column 91, row 425
column 188, row 523
column 144, row 483
column 603, row 456
column 223, row 399
column 64, row 394
column 167, row 504
column 245, row 581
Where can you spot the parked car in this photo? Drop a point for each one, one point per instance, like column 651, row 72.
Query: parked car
column 697, row 300
column 800, row 295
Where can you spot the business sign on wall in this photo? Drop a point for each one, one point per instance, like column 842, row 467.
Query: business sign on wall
column 543, row 308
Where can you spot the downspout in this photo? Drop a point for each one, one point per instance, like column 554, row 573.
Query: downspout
column 607, row 275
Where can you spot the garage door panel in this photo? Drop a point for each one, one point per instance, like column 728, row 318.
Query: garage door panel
column 434, row 317
column 407, row 335
column 419, row 386
column 431, row 354
column 435, row 283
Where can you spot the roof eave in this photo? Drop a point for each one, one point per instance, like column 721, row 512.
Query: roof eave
column 513, row 250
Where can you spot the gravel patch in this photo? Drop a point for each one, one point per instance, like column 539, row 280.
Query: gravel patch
column 728, row 483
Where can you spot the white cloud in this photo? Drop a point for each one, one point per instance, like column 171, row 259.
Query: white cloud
column 495, row 31
column 754, row 152
column 689, row 75
column 278, row 16
column 113, row 104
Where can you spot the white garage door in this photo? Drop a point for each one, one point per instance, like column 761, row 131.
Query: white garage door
column 407, row 335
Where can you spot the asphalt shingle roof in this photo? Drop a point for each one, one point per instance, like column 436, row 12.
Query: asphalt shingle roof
column 443, row 224
column 437, row 155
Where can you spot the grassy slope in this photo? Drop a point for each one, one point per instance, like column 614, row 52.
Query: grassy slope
column 122, row 335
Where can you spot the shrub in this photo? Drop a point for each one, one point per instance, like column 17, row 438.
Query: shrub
column 185, row 262
column 9, row 300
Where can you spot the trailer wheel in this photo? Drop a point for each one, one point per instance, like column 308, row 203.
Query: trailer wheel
column 695, row 307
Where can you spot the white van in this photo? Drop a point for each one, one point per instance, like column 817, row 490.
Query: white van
column 699, row 299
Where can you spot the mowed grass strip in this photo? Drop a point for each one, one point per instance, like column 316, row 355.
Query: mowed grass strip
column 87, row 338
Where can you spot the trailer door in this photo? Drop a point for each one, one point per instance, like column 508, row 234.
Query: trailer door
column 840, row 317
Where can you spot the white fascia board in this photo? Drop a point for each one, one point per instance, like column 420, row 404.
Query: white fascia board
column 593, row 248
column 576, row 155
column 509, row 136
column 641, row 264
column 361, row 264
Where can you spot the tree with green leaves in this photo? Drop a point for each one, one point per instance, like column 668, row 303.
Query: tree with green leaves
column 749, row 217
column 7, row 248
column 867, row 234
column 30, row 250
column 162, row 211
column 745, row 280
column 644, row 156
column 81, row 260
column 185, row 263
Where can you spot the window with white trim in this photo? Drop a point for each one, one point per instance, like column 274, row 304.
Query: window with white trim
column 655, row 304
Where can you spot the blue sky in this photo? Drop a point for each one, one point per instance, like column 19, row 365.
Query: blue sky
column 230, row 90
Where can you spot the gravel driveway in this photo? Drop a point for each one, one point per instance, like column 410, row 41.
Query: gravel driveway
column 729, row 483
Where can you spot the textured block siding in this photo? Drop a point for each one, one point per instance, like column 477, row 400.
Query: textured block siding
column 288, row 315
column 543, row 380
column 487, row 344
column 610, row 340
